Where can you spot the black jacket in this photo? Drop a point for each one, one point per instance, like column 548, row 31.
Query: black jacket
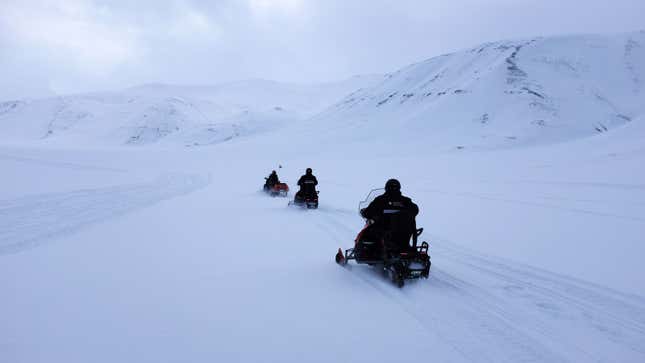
column 307, row 179
column 394, row 213
column 272, row 179
column 389, row 203
column 307, row 184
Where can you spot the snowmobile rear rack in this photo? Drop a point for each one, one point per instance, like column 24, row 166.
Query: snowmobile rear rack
column 309, row 201
column 398, row 266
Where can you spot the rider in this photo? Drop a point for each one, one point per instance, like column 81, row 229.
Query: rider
column 392, row 212
column 307, row 184
column 272, row 180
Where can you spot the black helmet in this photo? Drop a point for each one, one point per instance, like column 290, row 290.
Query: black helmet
column 392, row 185
column 309, row 171
column 273, row 172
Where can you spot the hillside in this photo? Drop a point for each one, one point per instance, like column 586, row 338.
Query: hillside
column 496, row 95
column 524, row 157
column 502, row 94
column 168, row 115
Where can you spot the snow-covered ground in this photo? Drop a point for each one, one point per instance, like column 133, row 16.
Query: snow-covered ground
column 163, row 253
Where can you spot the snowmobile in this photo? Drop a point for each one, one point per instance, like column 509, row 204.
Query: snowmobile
column 278, row 189
column 306, row 198
column 275, row 187
column 389, row 249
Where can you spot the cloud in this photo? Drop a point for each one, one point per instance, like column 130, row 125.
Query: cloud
column 82, row 45
column 73, row 31
column 284, row 6
column 190, row 23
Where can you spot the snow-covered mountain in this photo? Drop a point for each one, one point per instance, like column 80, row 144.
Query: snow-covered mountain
column 174, row 254
column 168, row 114
column 500, row 94
column 505, row 93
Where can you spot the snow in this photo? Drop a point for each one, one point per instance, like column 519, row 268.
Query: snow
column 145, row 252
column 168, row 114
column 503, row 94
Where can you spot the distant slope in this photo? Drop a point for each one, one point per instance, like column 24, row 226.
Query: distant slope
column 169, row 114
column 496, row 95
column 305, row 100
column 503, row 94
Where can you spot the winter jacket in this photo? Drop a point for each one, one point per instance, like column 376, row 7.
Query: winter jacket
column 389, row 203
column 272, row 179
column 307, row 183
column 394, row 213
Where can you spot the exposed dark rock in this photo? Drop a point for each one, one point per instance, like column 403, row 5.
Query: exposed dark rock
column 530, row 91
column 382, row 102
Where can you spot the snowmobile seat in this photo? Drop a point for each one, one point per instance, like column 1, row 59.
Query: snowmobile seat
column 399, row 228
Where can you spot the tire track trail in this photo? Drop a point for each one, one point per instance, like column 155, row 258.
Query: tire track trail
column 460, row 324
column 33, row 220
column 474, row 302
column 554, row 303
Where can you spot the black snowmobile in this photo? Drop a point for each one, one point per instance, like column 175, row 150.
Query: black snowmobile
column 307, row 197
column 387, row 246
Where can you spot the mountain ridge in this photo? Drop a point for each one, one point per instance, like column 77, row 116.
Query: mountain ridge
column 536, row 90
column 500, row 94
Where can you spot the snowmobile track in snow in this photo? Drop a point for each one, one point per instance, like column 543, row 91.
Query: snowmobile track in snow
column 29, row 221
column 474, row 302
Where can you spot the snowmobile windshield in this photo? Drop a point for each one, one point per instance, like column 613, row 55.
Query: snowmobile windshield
column 369, row 198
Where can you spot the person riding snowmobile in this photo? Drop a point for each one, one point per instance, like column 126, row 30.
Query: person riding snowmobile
column 393, row 217
column 307, row 184
column 271, row 180
column 384, row 242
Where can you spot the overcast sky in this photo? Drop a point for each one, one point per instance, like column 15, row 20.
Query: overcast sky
column 65, row 46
